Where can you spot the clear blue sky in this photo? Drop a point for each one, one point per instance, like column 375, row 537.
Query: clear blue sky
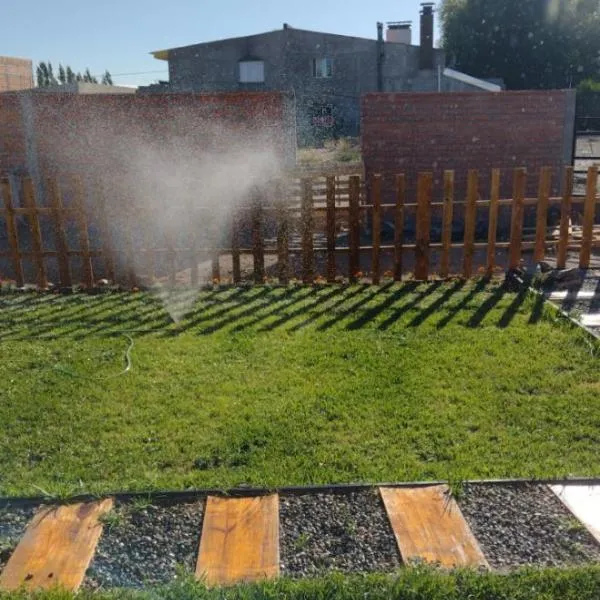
column 119, row 34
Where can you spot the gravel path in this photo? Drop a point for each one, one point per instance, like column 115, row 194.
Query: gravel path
column 325, row 532
column 13, row 522
column 526, row 525
column 146, row 545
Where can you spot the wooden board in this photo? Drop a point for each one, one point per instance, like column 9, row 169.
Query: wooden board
column 57, row 547
column 240, row 540
column 584, row 502
column 424, row 191
column 428, row 525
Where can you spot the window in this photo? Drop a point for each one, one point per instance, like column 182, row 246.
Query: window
column 252, row 71
column 322, row 67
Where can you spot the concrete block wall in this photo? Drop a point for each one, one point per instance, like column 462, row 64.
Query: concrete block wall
column 413, row 132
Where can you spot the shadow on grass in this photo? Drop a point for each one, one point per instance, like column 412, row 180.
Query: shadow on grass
column 262, row 309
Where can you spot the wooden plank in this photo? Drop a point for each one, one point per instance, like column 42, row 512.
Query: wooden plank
column 240, row 540
column 57, row 547
column 429, row 525
column 235, row 248
column 589, row 212
column 516, row 225
column 307, row 224
column 330, row 226
column 399, row 226
column 376, row 217
column 354, row 228
column 12, row 233
column 283, row 235
column 544, row 190
column 64, row 270
column 424, row 190
column 258, row 243
column 447, row 223
column 584, row 502
column 470, row 222
column 36, row 233
column 493, row 222
column 84, row 238
column 565, row 216
column 105, row 232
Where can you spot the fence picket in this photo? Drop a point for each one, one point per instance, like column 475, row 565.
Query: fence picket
column 447, row 223
column 565, row 217
column 307, row 226
column 493, row 222
column 424, row 191
column 589, row 211
column 330, row 184
column 470, row 222
column 36, row 233
column 258, row 244
column 236, row 266
column 376, row 217
column 84, row 238
column 545, row 186
column 516, row 226
column 11, row 231
column 354, row 225
column 399, row 226
column 64, row 267
column 105, row 232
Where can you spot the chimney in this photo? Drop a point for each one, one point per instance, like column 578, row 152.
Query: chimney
column 399, row 32
column 426, row 50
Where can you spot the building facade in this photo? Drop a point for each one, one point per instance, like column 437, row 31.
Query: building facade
column 15, row 74
column 326, row 73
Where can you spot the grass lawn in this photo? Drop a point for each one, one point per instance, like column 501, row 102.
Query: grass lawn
column 299, row 385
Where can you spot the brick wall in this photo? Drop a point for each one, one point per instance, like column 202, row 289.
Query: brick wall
column 15, row 74
column 432, row 132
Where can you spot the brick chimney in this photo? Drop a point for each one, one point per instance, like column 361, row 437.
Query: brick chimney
column 426, row 50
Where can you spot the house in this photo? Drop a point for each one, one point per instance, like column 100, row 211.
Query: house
column 326, row 73
column 15, row 74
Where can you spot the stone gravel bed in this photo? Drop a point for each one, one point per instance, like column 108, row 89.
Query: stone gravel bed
column 13, row 522
column 335, row 532
column 527, row 524
column 146, row 545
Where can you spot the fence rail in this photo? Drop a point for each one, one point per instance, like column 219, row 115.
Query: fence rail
column 311, row 228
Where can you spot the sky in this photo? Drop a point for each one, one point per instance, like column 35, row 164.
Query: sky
column 118, row 35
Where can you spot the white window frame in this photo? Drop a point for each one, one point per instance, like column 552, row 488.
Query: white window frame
column 322, row 67
column 251, row 71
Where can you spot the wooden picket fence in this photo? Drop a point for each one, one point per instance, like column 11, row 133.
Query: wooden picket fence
column 290, row 211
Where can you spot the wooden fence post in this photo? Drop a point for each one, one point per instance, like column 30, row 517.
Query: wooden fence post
column 447, row 223
column 84, row 238
column 236, row 266
column 105, row 232
column 330, row 191
column 11, row 231
column 307, row 224
column 565, row 217
column 376, row 219
column 493, row 222
column 258, row 244
column 399, row 226
column 354, row 226
column 62, row 248
column 36, row 234
column 283, row 234
column 424, row 191
column 516, row 226
column 589, row 212
column 542, row 213
column 470, row 222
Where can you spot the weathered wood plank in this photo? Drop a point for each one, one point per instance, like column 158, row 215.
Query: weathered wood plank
column 11, row 231
column 235, row 248
column 240, row 540
column 424, row 190
column 354, row 226
column 470, row 222
column 105, row 231
column 516, row 225
column 64, row 268
column 447, row 223
column 283, row 235
column 376, row 256
column 399, row 226
column 330, row 225
column 307, row 225
column 493, row 222
column 36, row 232
column 57, row 547
column 565, row 217
column 429, row 525
column 84, row 237
column 258, row 242
column 589, row 211
column 544, row 190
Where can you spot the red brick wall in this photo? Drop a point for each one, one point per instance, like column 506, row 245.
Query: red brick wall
column 12, row 139
column 432, row 132
column 15, row 74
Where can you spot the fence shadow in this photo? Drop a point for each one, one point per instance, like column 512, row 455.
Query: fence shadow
column 261, row 309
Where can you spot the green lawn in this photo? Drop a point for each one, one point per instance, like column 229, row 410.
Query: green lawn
column 299, row 385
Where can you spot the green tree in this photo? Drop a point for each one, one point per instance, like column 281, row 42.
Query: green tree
column 107, row 78
column 62, row 75
column 70, row 75
column 529, row 44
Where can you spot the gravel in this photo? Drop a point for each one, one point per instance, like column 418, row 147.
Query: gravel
column 146, row 545
column 526, row 525
column 335, row 532
column 13, row 522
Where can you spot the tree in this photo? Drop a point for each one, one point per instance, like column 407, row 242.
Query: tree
column 62, row 75
column 45, row 75
column 532, row 44
column 70, row 75
column 107, row 78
